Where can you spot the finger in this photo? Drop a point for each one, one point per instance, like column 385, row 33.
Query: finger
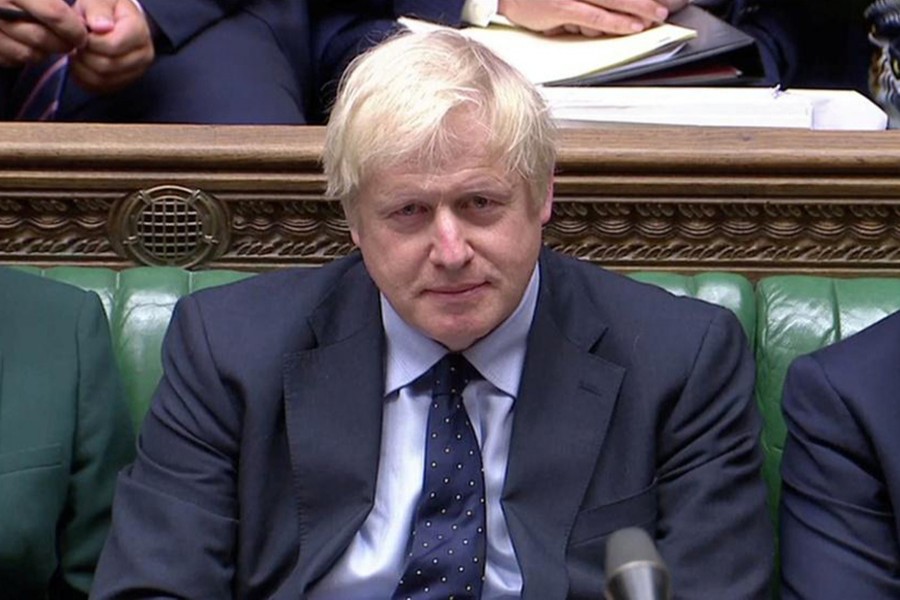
column 573, row 30
column 104, row 82
column 14, row 53
column 589, row 17
column 109, row 66
column 582, row 31
column 118, row 42
column 131, row 32
column 562, row 29
column 588, row 32
column 98, row 14
column 652, row 11
column 59, row 17
column 39, row 37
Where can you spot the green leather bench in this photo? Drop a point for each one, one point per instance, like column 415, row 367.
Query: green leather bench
column 783, row 317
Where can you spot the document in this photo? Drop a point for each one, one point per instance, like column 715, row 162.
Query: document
column 548, row 59
column 719, row 54
column 715, row 106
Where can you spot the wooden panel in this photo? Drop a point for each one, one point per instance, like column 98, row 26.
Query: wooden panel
column 756, row 201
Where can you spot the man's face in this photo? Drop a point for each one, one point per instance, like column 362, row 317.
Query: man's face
column 453, row 248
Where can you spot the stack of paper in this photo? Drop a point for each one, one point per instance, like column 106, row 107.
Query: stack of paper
column 545, row 59
column 715, row 106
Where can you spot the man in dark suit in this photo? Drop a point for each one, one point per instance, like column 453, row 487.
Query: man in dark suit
column 289, row 449
column 218, row 61
column 106, row 42
column 841, row 468
column 276, row 61
column 192, row 61
column 65, row 432
column 360, row 24
column 237, row 61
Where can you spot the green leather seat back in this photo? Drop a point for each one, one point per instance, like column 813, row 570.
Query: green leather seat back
column 729, row 290
column 139, row 304
column 797, row 315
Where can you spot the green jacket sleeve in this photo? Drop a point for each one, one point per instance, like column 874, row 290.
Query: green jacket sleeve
column 103, row 444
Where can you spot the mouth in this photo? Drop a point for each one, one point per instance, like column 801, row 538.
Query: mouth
column 456, row 291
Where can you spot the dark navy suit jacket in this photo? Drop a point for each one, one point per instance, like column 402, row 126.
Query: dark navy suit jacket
column 249, row 61
column 218, row 61
column 841, row 469
column 258, row 458
column 278, row 61
column 769, row 22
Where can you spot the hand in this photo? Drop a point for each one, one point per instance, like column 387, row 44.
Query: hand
column 60, row 30
column 119, row 47
column 589, row 17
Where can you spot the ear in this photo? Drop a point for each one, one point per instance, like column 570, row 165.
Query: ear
column 547, row 207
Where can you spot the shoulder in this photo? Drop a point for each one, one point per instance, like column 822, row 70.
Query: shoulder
column 862, row 366
column 25, row 298
column 618, row 297
column 878, row 344
column 641, row 322
column 276, row 308
column 300, row 289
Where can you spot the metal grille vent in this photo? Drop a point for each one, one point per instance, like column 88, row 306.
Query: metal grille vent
column 170, row 225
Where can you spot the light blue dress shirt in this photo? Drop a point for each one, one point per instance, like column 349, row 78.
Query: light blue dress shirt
column 373, row 563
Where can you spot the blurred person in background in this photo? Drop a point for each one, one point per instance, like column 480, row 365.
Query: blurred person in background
column 272, row 61
column 65, row 432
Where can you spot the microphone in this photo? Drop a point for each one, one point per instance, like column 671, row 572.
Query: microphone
column 634, row 569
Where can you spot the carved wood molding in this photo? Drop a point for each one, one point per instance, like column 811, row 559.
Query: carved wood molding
column 729, row 234
column 633, row 198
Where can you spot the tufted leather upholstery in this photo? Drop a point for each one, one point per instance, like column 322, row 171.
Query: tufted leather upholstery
column 783, row 317
column 139, row 302
column 799, row 314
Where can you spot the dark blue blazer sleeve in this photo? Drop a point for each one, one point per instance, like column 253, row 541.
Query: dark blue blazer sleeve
column 838, row 515
column 175, row 513
column 7, row 79
column 344, row 29
column 768, row 22
column 180, row 21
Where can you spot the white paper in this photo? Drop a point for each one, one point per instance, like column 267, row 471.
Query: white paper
column 716, row 106
column 543, row 59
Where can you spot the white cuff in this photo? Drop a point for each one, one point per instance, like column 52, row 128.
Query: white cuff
column 479, row 12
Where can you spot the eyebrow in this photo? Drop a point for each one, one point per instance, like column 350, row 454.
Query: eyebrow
column 479, row 184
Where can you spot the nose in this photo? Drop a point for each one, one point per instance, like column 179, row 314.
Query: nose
column 450, row 247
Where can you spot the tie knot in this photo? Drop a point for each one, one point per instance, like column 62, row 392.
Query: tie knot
column 452, row 374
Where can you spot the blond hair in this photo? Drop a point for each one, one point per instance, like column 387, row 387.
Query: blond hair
column 394, row 102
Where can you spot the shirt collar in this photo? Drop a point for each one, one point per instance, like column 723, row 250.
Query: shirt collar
column 499, row 356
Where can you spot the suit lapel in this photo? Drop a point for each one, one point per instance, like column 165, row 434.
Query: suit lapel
column 333, row 406
column 334, row 401
column 565, row 403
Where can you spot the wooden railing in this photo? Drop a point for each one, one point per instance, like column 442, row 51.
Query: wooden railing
column 755, row 201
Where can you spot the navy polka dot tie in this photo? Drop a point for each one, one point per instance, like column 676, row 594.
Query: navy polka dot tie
column 446, row 555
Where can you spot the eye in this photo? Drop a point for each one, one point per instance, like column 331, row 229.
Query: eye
column 480, row 202
column 410, row 210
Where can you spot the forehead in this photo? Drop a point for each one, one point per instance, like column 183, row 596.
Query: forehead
column 463, row 136
column 460, row 173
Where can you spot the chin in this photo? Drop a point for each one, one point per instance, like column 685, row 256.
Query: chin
column 457, row 339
